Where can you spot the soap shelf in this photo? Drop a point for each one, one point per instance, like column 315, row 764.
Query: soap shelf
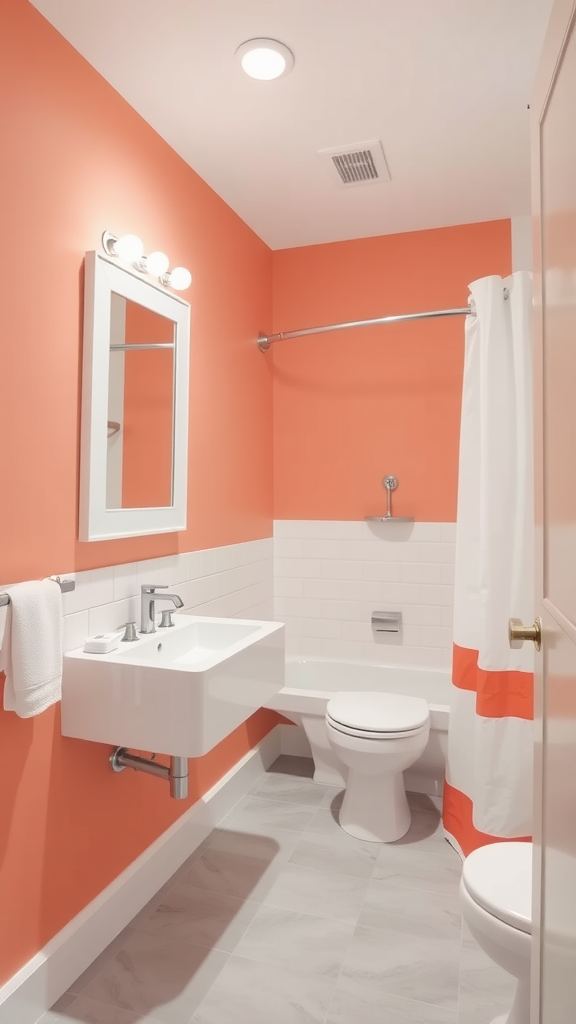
column 389, row 519
column 65, row 586
column 390, row 483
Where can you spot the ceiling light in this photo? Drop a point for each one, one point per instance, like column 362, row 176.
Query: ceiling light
column 265, row 59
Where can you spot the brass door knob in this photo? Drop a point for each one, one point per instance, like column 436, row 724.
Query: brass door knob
column 518, row 633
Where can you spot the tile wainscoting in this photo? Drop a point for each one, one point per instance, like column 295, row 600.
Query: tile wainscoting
column 233, row 580
column 329, row 576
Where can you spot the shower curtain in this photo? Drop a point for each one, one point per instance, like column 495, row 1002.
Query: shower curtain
column 488, row 790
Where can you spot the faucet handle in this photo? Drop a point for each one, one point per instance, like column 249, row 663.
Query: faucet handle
column 166, row 619
column 130, row 635
column 149, row 588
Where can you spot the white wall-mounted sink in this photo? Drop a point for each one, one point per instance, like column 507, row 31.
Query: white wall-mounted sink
column 177, row 691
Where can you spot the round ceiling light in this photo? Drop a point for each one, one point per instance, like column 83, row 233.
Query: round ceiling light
column 265, row 58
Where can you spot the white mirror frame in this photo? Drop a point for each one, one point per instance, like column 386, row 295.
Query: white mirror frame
column 103, row 276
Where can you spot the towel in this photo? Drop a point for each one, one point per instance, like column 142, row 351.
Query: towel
column 31, row 654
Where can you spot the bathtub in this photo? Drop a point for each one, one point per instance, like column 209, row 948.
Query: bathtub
column 312, row 682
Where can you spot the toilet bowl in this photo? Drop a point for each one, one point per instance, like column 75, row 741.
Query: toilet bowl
column 496, row 900
column 377, row 736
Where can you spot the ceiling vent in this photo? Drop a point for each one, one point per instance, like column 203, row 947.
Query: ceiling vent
column 361, row 164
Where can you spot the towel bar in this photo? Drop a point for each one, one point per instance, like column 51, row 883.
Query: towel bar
column 65, row 586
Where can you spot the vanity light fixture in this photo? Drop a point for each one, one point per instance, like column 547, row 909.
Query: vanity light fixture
column 156, row 264
column 265, row 59
column 127, row 247
column 179, row 279
column 130, row 248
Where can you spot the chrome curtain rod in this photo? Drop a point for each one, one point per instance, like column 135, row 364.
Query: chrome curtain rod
column 265, row 340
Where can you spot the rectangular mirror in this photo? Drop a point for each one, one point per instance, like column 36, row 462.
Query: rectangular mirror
column 133, row 474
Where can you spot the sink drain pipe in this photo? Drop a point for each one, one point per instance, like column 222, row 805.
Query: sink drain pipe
column 176, row 774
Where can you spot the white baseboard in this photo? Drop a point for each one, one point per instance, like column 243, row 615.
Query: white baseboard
column 37, row 985
column 293, row 741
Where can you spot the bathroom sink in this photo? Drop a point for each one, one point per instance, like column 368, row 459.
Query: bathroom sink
column 177, row 691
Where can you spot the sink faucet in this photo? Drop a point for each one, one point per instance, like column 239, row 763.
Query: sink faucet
column 147, row 605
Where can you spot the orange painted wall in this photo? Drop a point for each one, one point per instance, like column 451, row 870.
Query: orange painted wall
column 76, row 160
column 351, row 406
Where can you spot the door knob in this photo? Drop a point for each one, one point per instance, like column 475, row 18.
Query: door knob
column 518, row 633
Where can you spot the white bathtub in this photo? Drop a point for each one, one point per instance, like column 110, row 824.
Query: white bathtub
column 311, row 683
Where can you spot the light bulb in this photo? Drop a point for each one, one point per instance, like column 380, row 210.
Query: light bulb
column 179, row 279
column 156, row 263
column 263, row 64
column 265, row 59
column 129, row 248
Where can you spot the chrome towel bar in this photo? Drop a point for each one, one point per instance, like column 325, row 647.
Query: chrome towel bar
column 65, row 586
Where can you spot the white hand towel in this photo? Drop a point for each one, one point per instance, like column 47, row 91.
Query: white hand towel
column 31, row 654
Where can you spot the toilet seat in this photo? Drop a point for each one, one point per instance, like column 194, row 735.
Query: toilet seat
column 377, row 715
column 499, row 879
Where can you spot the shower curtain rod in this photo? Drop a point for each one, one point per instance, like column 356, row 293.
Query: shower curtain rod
column 265, row 340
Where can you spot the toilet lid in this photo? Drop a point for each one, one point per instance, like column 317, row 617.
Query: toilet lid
column 378, row 712
column 499, row 878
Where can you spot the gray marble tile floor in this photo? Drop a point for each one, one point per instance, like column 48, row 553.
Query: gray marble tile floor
column 280, row 917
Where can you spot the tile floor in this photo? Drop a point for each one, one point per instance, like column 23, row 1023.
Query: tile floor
column 282, row 918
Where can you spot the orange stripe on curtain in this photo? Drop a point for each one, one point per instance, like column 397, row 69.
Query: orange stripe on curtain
column 457, row 819
column 499, row 694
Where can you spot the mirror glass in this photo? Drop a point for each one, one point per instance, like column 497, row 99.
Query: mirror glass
column 140, row 426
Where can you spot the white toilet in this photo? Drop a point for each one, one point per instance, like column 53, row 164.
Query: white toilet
column 377, row 736
column 496, row 898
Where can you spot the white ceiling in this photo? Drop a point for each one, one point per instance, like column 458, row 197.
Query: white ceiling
column 443, row 83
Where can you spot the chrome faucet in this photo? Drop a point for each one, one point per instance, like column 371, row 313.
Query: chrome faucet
column 148, row 600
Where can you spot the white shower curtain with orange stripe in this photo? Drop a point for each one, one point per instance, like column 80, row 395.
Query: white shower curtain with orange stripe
column 488, row 791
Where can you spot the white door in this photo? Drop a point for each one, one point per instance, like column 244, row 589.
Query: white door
column 553, row 112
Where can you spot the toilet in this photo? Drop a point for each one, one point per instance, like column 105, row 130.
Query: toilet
column 377, row 736
column 496, row 899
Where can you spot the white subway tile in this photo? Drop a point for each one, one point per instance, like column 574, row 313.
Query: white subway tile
column 448, row 575
column 422, row 572
column 288, row 607
column 323, row 588
column 167, row 571
column 126, row 580
column 109, row 617
column 311, row 608
column 337, row 569
column 422, row 615
column 443, row 553
column 380, row 572
column 207, row 556
column 306, row 568
column 93, row 587
column 230, row 556
column 288, row 547
column 323, row 548
column 75, row 629
column 447, row 617
column 344, row 610
column 446, row 659
column 436, row 636
column 449, row 532
column 291, row 587
column 322, row 628
column 360, row 632
column 194, row 565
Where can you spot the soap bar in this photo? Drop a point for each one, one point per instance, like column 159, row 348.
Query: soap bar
column 101, row 644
